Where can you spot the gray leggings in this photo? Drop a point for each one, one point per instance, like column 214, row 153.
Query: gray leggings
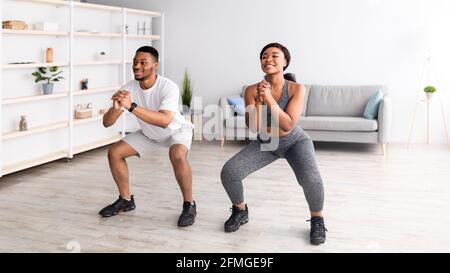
column 298, row 150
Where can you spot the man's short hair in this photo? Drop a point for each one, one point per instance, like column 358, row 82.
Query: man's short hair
column 151, row 50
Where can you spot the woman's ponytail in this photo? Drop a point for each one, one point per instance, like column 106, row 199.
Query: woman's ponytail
column 290, row 77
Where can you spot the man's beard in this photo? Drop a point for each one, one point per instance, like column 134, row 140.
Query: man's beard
column 138, row 79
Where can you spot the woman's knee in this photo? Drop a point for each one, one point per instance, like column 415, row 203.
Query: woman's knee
column 229, row 173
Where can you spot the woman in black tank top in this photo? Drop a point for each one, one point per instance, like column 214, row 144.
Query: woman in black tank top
column 275, row 106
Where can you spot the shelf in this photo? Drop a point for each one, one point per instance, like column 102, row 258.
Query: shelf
column 35, row 130
column 96, row 144
column 52, row 2
column 35, row 32
column 98, row 63
column 88, row 120
column 98, row 34
column 35, row 98
column 80, row 34
column 96, row 90
column 146, row 37
column 96, row 6
column 33, row 65
column 33, row 162
column 143, row 12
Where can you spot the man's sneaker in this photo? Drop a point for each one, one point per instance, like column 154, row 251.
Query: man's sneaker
column 121, row 205
column 317, row 235
column 188, row 214
column 238, row 217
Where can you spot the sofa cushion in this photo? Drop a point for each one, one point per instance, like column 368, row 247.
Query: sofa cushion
column 371, row 110
column 238, row 105
column 235, row 122
column 351, row 124
column 344, row 101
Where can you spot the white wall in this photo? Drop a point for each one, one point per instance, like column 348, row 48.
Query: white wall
column 331, row 42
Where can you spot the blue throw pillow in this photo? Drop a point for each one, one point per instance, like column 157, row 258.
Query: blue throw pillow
column 371, row 111
column 238, row 104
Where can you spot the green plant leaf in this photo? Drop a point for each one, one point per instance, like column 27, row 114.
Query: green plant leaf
column 187, row 91
column 41, row 75
column 430, row 89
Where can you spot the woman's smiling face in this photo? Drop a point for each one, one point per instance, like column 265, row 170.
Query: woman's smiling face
column 273, row 60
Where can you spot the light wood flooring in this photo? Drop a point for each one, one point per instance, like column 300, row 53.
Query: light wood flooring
column 396, row 203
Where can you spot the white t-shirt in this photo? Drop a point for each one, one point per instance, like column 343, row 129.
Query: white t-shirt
column 163, row 95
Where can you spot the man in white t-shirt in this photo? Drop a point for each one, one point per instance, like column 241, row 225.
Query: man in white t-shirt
column 154, row 100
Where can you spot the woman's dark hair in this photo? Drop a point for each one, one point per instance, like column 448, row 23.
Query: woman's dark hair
column 286, row 53
column 290, row 77
column 151, row 50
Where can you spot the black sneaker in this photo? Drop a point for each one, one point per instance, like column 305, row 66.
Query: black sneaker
column 121, row 205
column 188, row 214
column 317, row 235
column 238, row 217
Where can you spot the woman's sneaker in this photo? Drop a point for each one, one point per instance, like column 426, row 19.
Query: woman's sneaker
column 238, row 217
column 121, row 205
column 317, row 235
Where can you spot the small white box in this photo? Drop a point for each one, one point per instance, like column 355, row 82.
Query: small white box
column 46, row 26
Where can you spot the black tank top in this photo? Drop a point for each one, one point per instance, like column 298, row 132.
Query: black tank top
column 282, row 102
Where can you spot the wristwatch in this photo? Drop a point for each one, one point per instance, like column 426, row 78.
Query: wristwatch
column 133, row 105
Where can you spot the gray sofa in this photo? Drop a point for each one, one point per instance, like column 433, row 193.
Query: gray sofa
column 330, row 113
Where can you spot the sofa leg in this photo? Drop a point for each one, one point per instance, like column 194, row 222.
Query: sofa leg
column 383, row 148
column 222, row 142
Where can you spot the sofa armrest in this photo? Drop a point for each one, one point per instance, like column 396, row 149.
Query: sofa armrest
column 384, row 120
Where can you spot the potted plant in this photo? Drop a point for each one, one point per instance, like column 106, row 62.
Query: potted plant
column 186, row 95
column 50, row 75
column 429, row 90
column 102, row 56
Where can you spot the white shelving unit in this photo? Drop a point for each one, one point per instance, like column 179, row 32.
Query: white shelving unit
column 33, row 65
column 35, row 32
column 35, row 98
column 35, row 130
column 58, row 134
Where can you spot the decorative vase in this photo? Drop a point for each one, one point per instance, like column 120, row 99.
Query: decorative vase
column 23, row 125
column 47, row 88
column 186, row 109
column 101, row 57
column 429, row 95
column 49, row 55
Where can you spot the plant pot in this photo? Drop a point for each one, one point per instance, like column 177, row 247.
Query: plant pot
column 101, row 58
column 186, row 109
column 47, row 88
column 429, row 95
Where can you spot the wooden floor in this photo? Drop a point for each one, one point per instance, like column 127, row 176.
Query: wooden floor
column 396, row 203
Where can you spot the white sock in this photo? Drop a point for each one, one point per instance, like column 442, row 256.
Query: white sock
column 128, row 199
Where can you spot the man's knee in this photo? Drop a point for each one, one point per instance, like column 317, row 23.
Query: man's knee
column 116, row 151
column 178, row 154
column 113, row 152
